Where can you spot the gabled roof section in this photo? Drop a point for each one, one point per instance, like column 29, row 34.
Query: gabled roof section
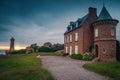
column 77, row 24
column 82, row 20
column 104, row 14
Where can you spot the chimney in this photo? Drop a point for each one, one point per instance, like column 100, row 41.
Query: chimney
column 92, row 11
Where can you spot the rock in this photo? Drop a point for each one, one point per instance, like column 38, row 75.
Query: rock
column 38, row 56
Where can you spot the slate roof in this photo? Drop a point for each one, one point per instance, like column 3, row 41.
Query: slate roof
column 104, row 14
column 79, row 22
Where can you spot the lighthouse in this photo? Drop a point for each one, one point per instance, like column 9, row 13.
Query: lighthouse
column 12, row 40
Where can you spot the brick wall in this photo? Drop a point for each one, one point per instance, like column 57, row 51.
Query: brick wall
column 85, row 33
column 89, row 30
column 73, row 43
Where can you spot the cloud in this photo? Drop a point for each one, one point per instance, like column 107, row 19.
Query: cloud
column 42, row 21
column 28, row 32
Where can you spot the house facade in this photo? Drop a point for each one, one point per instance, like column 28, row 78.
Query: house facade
column 92, row 33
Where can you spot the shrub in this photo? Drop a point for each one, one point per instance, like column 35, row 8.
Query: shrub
column 65, row 54
column 44, row 49
column 88, row 56
column 22, row 51
column 118, row 50
column 77, row 56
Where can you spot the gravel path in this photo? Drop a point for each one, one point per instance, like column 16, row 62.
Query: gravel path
column 64, row 68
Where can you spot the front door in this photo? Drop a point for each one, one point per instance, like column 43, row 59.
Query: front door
column 96, row 50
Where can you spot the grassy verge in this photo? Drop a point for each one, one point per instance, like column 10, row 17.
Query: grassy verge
column 108, row 69
column 22, row 67
column 48, row 54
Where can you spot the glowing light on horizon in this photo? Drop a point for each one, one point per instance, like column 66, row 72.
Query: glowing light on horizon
column 16, row 47
column 19, row 47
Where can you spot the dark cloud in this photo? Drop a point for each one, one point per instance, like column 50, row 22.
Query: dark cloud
column 38, row 21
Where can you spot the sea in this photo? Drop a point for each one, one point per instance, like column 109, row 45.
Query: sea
column 2, row 52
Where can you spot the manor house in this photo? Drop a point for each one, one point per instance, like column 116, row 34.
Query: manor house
column 92, row 33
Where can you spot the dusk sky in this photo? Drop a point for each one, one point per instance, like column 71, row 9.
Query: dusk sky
column 39, row 21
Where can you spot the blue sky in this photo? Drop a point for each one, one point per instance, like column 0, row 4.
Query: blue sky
column 39, row 21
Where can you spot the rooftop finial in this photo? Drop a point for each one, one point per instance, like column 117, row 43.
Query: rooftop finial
column 103, row 4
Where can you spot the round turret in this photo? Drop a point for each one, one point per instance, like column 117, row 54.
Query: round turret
column 105, row 36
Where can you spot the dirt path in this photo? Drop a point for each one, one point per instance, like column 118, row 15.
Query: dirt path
column 64, row 68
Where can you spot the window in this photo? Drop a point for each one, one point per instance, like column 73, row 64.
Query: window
column 67, row 39
column 96, row 32
column 66, row 49
column 76, row 49
column 76, row 24
column 70, row 38
column 76, row 36
column 104, row 50
column 70, row 50
column 112, row 31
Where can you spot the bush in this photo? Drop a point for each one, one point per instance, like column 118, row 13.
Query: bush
column 118, row 50
column 22, row 51
column 65, row 54
column 77, row 56
column 44, row 49
column 88, row 56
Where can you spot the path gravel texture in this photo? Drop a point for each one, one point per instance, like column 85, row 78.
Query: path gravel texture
column 65, row 68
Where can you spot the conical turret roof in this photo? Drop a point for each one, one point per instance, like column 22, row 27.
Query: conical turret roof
column 104, row 14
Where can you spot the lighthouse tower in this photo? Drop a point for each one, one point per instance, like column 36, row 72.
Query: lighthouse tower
column 105, row 36
column 12, row 44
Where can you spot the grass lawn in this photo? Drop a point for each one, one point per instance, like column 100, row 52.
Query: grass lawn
column 22, row 67
column 108, row 69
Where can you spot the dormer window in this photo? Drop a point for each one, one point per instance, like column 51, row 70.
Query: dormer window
column 76, row 24
column 68, row 28
column 112, row 32
column 79, row 22
column 96, row 32
column 73, row 26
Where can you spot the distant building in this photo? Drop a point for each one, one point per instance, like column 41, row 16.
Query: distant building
column 92, row 33
column 31, row 48
column 47, row 44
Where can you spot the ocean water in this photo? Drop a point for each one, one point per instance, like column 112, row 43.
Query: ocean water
column 2, row 52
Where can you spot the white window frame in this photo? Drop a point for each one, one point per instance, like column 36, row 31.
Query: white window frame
column 96, row 32
column 76, row 49
column 70, row 50
column 70, row 38
column 76, row 24
column 112, row 31
column 66, row 49
column 76, row 36
column 104, row 50
column 67, row 39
